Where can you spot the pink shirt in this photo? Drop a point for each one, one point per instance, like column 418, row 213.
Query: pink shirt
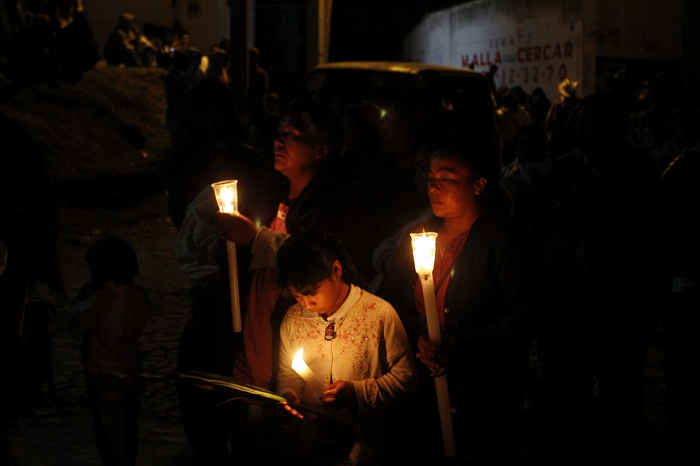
column 254, row 364
column 113, row 318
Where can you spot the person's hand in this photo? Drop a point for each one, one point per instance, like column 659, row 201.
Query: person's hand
column 429, row 354
column 340, row 393
column 236, row 227
column 85, row 292
column 291, row 398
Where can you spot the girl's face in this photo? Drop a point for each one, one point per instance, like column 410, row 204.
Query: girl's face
column 327, row 296
column 294, row 151
column 452, row 187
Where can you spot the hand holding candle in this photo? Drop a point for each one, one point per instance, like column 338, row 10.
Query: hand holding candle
column 423, row 245
column 236, row 227
column 226, row 193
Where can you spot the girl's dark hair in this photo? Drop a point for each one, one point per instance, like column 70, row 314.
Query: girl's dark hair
column 306, row 259
column 481, row 157
column 112, row 258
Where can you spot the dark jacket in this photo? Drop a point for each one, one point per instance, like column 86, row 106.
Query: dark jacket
column 489, row 303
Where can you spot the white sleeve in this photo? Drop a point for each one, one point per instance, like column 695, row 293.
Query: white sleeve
column 265, row 247
column 400, row 377
column 198, row 238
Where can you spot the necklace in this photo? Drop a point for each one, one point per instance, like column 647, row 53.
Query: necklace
column 330, row 331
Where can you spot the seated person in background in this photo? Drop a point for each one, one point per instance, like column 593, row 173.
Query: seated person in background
column 126, row 45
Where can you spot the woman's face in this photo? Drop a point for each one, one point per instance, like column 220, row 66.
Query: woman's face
column 327, row 296
column 452, row 187
column 294, row 151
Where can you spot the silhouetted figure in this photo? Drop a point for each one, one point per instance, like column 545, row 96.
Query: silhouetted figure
column 178, row 99
column 490, row 76
column 76, row 48
column 32, row 54
column 561, row 120
column 676, row 217
column 126, row 45
column 539, row 106
column 410, row 121
column 207, row 343
column 383, row 253
column 17, row 256
column 258, row 86
column 213, row 102
column 211, row 127
column 111, row 312
column 28, row 232
column 520, row 177
column 510, row 117
column 593, row 227
column 669, row 125
column 26, row 184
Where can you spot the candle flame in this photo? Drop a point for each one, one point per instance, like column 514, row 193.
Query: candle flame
column 226, row 193
column 298, row 363
column 227, row 199
column 423, row 251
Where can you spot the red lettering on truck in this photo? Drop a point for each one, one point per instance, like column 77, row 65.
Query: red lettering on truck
column 547, row 52
column 482, row 59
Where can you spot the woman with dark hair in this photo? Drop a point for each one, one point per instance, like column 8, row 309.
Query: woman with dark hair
column 353, row 341
column 312, row 194
column 484, row 301
column 312, row 191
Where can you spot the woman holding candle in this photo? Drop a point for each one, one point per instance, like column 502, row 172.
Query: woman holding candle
column 484, row 302
column 312, row 191
column 354, row 343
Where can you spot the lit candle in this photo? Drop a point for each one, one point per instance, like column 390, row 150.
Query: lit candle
column 226, row 193
column 313, row 382
column 423, row 245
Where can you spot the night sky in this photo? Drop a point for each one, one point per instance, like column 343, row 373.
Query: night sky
column 374, row 30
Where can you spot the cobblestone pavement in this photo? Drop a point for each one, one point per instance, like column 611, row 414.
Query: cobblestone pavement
column 62, row 436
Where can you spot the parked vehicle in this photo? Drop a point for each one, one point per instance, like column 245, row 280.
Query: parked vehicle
column 377, row 82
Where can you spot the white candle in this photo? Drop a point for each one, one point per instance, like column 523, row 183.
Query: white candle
column 424, row 258
column 423, row 252
column 313, row 382
column 226, row 193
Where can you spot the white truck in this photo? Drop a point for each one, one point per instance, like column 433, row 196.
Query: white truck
column 537, row 43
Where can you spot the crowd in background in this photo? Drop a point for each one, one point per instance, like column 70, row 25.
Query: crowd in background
column 52, row 41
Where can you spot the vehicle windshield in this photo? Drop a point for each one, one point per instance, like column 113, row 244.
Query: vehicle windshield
column 352, row 86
